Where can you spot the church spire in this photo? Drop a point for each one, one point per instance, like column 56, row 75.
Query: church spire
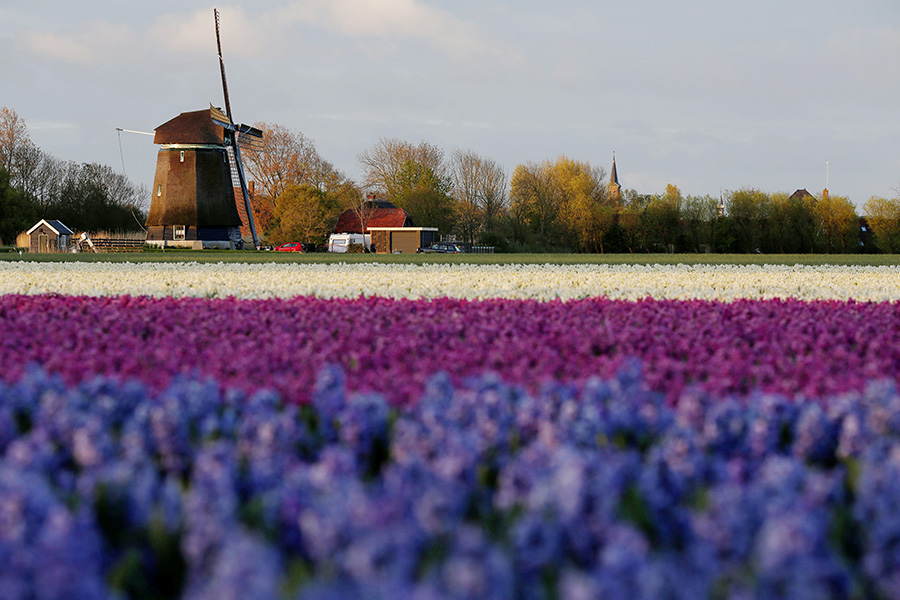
column 613, row 176
column 613, row 186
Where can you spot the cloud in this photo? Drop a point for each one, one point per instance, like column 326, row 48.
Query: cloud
column 191, row 33
column 96, row 42
column 186, row 35
column 252, row 33
column 274, row 33
column 242, row 34
column 390, row 20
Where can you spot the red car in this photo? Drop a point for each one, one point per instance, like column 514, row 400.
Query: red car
column 291, row 247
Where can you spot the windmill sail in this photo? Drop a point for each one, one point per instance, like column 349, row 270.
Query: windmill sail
column 222, row 65
column 248, row 139
column 234, row 135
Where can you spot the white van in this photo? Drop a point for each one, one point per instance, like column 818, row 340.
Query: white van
column 340, row 242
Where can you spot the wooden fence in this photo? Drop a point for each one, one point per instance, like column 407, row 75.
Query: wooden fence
column 114, row 245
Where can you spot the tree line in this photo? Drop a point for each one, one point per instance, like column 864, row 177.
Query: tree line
column 560, row 205
column 35, row 185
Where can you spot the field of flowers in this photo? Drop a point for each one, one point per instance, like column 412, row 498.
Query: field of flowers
column 453, row 280
column 448, row 431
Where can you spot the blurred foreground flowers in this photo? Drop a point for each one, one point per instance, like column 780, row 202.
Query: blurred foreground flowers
column 479, row 490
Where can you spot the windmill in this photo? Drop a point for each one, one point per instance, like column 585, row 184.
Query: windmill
column 194, row 197
column 233, row 135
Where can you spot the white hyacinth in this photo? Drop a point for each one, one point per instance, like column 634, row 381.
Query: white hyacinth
column 522, row 281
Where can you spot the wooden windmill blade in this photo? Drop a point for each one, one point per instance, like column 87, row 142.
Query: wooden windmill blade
column 221, row 119
column 243, row 129
column 222, row 66
column 231, row 132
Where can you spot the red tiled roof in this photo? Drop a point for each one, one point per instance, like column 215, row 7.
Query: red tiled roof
column 348, row 222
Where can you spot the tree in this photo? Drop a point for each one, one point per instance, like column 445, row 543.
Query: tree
column 120, row 190
column 13, row 135
column 700, row 222
column 838, row 220
column 425, row 196
column 479, row 191
column 82, row 205
column 87, row 196
column 662, row 218
column 386, row 165
column 630, row 218
column 302, row 213
column 802, row 223
column 17, row 210
column 792, row 227
column 18, row 154
column 536, row 202
column 94, row 198
column 354, row 200
column 883, row 215
column 50, row 177
column 127, row 201
column 283, row 156
column 414, row 177
column 466, row 172
column 494, row 193
column 593, row 221
column 749, row 212
column 781, row 238
column 587, row 209
column 562, row 204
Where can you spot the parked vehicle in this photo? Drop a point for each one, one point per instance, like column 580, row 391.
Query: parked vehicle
column 443, row 248
column 291, row 247
column 340, row 242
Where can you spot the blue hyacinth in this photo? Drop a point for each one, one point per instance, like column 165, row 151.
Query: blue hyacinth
column 480, row 490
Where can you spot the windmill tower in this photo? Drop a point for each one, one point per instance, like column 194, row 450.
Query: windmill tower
column 194, row 192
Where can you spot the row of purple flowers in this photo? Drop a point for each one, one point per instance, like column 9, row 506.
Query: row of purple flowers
column 393, row 346
column 482, row 490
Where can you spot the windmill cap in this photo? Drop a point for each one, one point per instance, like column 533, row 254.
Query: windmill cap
column 195, row 127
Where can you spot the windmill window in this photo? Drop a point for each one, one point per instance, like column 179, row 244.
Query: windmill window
column 182, row 156
column 159, row 190
column 178, row 232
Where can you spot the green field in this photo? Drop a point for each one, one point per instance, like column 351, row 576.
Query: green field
column 249, row 256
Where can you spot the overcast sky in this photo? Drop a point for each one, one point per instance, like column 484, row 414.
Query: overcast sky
column 709, row 95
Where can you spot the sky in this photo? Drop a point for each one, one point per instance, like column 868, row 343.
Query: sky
column 709, row 95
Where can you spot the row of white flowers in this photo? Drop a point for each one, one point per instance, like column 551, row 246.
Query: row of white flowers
column 535, row 281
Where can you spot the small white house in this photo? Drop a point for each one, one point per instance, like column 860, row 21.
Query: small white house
column 49, row 236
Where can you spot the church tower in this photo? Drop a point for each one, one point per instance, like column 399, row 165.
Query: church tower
column 613, row 187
